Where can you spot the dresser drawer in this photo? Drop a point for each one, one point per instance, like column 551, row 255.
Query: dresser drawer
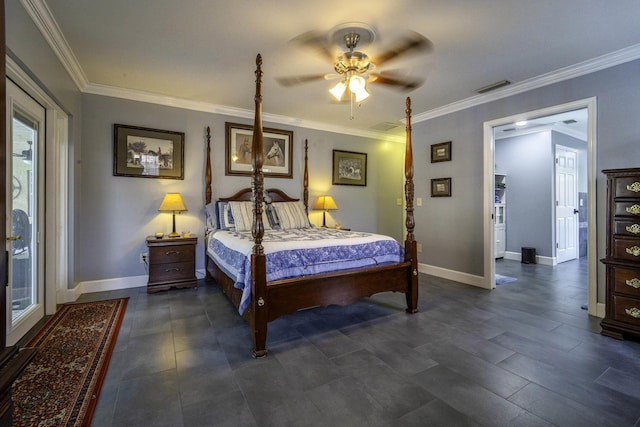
column 171, row 254
column 626, row 248
column 626, row 310
column 627, row 209
column 171, row 272
column 626, row 281
column 627, row 227
column 627, row 186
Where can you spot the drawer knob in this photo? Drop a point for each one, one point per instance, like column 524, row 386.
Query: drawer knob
column 635, row 228
column 172, row 253
column 634, row 209
column 634, row 283
column 633, row 312
column 171, row 269
column 634, row 250
column 635, row 187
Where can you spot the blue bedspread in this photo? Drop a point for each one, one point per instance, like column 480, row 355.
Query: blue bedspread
column 299, row 252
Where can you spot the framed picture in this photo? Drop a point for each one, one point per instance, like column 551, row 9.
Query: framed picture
column 441, row 152
column 278, row 151
column 349, row 168
column 441, row 187
column 147, row 153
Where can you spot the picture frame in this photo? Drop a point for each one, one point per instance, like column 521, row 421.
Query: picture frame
column 349, row 168
column 441, row 152
column 147, row 153
column 441, row 187
column 278, row 151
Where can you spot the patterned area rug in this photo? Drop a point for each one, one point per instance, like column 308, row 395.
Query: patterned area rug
column 60, row 386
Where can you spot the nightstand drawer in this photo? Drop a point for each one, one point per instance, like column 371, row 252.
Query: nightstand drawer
column 171, row 272
column 171, row 254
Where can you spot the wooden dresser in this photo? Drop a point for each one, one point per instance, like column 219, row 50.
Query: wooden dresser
column 622, row 259
column 172, row 263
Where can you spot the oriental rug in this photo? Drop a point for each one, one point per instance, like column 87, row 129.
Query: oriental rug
column 60, row 386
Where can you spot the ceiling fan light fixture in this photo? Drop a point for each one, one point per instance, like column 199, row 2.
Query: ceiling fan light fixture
column 338, row 90
column 361, row 95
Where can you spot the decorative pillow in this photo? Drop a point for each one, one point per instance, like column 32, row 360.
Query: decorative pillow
column 272, row 216
column 224, row 218
column 210, row 215
column 291, row 215
column 243, row 216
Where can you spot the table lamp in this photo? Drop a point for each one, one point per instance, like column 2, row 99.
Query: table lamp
column 173, row 203
column 325, row 203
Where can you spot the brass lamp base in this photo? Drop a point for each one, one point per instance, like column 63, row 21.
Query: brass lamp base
column 174, row 234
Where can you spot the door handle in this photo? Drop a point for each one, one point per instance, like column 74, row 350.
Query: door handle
column 14, row 238
column 575, row 211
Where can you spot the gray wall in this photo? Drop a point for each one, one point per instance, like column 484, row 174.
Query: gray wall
column 451, row 229
column 117, row 212
column 528, row 162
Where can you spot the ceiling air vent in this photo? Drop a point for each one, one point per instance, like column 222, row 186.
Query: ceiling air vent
column 385, row 126
column 493, row 86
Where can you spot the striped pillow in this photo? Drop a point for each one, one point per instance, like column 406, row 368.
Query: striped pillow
column 291, row 215
column 243, row 216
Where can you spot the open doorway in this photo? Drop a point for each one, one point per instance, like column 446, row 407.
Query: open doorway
column 542, row 122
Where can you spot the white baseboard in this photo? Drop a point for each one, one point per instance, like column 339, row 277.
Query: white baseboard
column 468, row 279
column 118, row 283
column 544, row 260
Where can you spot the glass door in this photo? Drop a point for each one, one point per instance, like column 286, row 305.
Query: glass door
column 25, row 296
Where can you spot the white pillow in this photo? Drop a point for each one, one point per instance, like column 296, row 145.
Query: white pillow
column 291, row 215
column 243, row 216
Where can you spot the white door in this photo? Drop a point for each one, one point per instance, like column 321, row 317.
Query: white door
column 566, row 204
column 25, row 139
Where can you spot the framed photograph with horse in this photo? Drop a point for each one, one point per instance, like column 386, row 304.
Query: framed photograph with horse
column 278, row 151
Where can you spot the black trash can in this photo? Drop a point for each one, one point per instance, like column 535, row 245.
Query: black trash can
column 528, row 255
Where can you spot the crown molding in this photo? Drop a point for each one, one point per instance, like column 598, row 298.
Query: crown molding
column 43, row 19
column 153, row 98
column 600, row 63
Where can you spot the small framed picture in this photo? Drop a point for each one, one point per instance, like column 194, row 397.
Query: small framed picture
column 349, row 168
column 441, row 152
column 148, row 153
column 441, row 187
column 278, row 151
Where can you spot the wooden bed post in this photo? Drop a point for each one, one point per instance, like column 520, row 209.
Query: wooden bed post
column 207, row 179
column 305, row 180
column 410, row 246
column 258, row 260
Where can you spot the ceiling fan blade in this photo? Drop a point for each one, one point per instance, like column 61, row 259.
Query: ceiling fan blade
column 317, row 42
column 411, row 43
column 296, row 80
column 404, row 84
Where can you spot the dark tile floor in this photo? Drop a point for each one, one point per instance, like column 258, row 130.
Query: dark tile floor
column 523, row 354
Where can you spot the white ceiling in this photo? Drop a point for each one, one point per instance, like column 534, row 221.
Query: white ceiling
column 202, row 52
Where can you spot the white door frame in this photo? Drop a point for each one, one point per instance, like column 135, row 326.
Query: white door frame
column 595, row 309
column 56, row 225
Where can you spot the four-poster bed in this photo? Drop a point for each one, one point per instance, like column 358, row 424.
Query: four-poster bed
column 263, row 300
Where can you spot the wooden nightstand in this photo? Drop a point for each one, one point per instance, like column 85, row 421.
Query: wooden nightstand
column 172, row 263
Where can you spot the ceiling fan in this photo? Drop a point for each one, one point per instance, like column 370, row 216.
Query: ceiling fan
column 353, row 67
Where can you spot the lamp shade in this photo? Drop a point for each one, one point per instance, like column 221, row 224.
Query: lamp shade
column 172, row 203
column 325, row 203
